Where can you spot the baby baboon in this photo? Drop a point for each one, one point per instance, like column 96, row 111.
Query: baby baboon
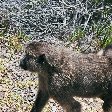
column 107, row 51
column 64, row 74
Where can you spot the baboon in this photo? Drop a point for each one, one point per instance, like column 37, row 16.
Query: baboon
column 64, row 73
column 107, row 51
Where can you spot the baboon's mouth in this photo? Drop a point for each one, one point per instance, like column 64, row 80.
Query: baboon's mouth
column 23, row 65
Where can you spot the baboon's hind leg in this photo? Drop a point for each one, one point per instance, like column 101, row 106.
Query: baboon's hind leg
column 70, row 104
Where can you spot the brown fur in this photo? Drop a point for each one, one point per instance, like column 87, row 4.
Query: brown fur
column 64, row 73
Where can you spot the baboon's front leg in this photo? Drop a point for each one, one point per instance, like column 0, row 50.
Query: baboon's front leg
column 42, row 98
column 70, row 104
column 107, row 105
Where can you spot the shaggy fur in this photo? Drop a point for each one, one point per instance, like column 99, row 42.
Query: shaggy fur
column 64, row 74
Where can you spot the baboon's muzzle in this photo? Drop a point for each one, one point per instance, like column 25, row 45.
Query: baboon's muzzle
column 23, row 63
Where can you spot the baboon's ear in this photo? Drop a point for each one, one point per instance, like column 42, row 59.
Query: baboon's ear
column 53, row 61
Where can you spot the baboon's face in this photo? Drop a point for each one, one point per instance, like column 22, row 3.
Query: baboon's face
column 108, row 52
column 31, row 63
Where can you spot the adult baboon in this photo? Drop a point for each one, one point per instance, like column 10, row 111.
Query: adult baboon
column 64, row 73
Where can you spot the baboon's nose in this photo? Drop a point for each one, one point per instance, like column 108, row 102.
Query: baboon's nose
column 23, row 64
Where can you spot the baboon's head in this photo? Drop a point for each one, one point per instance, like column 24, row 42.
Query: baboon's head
column 34, row 57
column 107, row 51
